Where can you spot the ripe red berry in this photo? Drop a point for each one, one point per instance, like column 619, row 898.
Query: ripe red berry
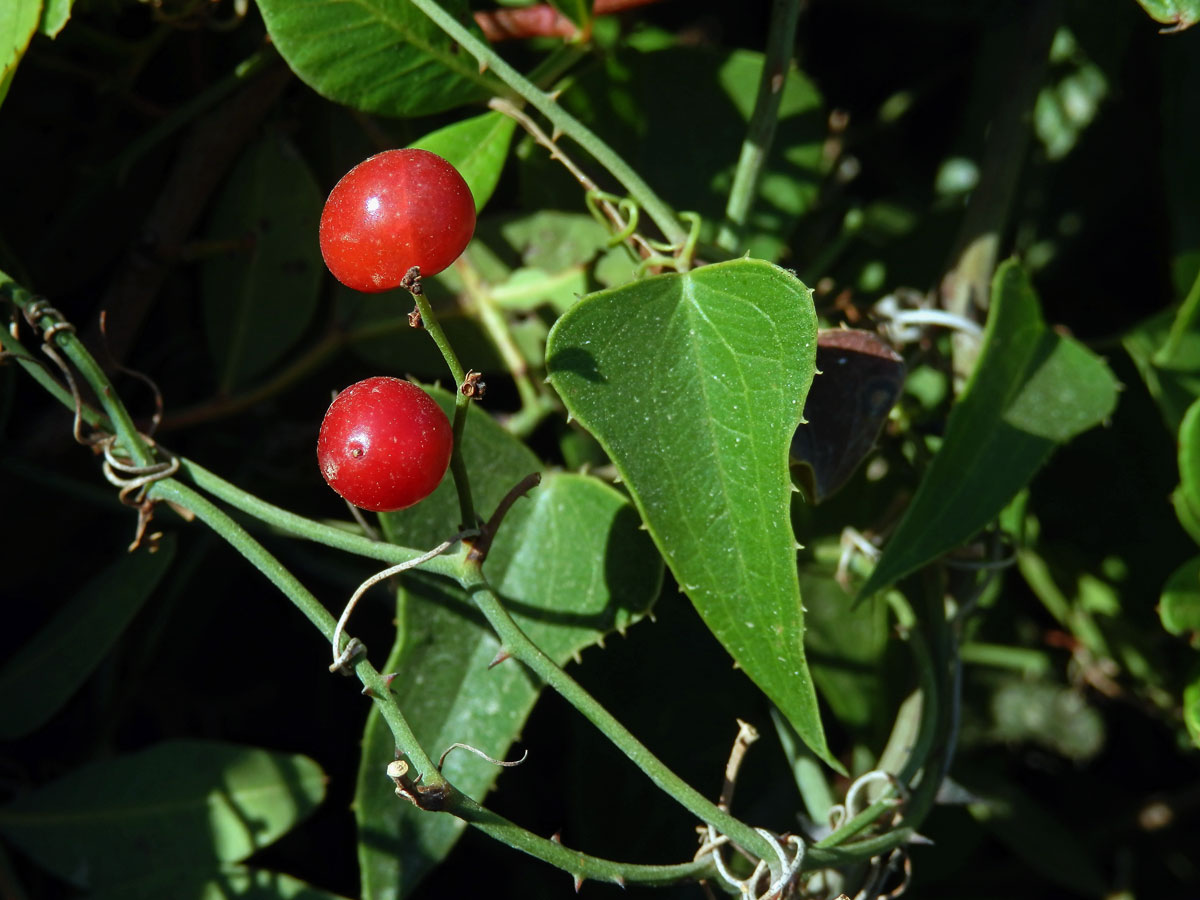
column 396, row 210
column 384, row 444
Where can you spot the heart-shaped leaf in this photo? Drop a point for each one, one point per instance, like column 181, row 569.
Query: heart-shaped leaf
column 1031, row 390
column 177, row 805
column 571, row 565
column 694, row 384
column 380, row 56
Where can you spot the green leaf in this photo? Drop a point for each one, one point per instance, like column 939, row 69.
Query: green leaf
column 570, row 564
column 1179, row 606
column 1189, row 457
column 52, row 665
column 179, row 804
column 55, row 14
column 553, row 240
column 213, row 884
column 260, row 295
column 379, row 56
column 846, row 643
column 694, row 384
column 1191, row 710
column 1182, row 345
column 527, row 289
column 477, row 147
column 1031, row 390
column 1188, row 515
column 18, row 21
column 1179, row 14
column 578, row 11
column 1174, row 389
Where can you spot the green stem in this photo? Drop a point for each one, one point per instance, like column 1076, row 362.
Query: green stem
column 781, row 42
column 38, row 371
column 299, row 526
column 571, row 861
column 817, row 857
column 131, row 442
column 861, row 821
column 180, row 494
column 964, row 289
column 562, row 121
column 183, row 497
column 534, row 406
column 520, row 647
column 1184, row 324
column 458, row 468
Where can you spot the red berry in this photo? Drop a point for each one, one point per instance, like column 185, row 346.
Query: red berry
column 384, row 444
column 396, row 210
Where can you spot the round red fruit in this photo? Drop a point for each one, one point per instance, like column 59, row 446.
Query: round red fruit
column 384, row 444
column 396, row 210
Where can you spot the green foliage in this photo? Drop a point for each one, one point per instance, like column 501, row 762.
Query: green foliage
column 702, row 445
column 382, row 56
column 180, row 805
column 1031, row 389
column 18, row 23
column 991, row 629
column 450, row 692
column 1179, row 14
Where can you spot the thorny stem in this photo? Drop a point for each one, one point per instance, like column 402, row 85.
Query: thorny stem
column 580, row 865
column 781, row 41
column 458, row 468
column 468, row 574
column 562, row 121
column 302, row 599
column 131, row 442
column 298, row 526
column 518, row 645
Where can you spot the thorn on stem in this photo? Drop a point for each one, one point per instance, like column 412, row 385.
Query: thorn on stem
column 501, row 656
